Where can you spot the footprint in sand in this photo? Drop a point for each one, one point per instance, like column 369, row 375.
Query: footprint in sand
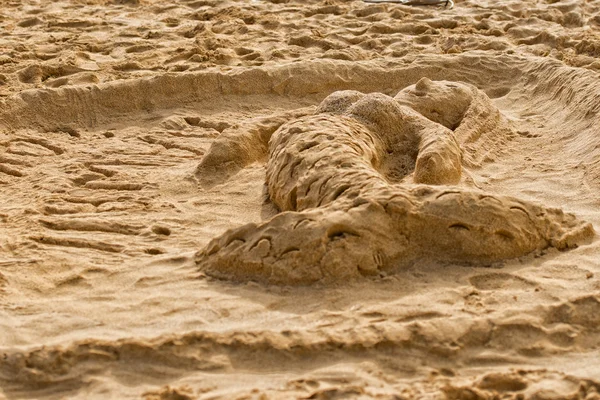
column 351, row 209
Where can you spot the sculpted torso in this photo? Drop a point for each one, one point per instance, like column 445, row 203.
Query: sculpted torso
column 364, row 189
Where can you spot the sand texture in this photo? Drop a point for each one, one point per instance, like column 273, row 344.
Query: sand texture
column 306, row 199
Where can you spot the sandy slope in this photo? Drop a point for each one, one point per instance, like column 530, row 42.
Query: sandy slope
column 106, row 110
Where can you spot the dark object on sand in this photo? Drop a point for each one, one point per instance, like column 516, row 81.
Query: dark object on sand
column 446, row 3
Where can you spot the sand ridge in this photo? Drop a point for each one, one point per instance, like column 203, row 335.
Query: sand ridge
column 108, row 114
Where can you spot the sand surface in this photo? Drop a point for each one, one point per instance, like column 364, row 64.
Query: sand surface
column 108, row 111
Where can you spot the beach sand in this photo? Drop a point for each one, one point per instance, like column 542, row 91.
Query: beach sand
column 107, row 109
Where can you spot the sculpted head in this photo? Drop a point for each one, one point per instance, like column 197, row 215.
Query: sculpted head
column 339, row 102
column 443, row 102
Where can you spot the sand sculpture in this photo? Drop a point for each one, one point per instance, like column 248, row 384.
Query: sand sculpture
column 367, row 185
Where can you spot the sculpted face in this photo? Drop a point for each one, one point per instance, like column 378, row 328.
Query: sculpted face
column 440, row 101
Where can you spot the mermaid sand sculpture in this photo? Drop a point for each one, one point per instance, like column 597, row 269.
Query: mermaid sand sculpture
column 342, row 179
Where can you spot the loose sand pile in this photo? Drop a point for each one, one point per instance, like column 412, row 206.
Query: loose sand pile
column 265, row 199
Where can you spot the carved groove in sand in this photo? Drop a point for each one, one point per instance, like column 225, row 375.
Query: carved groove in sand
column 355, row 184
